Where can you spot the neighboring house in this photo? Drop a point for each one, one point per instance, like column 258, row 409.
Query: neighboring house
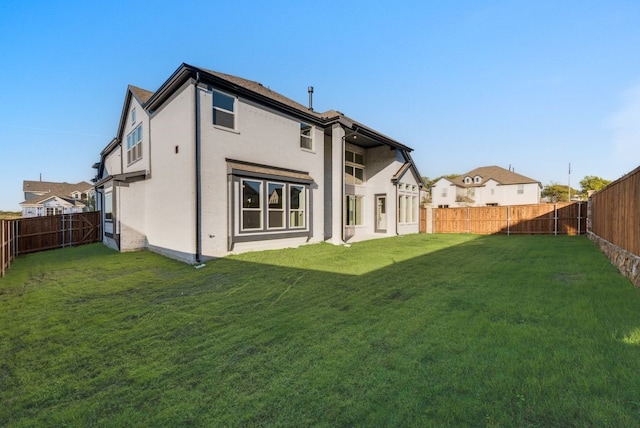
column 485, row 186
column 212, row 164
column 44, row 198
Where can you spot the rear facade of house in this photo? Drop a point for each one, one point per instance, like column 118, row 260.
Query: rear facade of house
column 212, row 164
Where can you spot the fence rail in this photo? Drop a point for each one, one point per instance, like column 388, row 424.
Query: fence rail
column 551, row 219
column 29, row 235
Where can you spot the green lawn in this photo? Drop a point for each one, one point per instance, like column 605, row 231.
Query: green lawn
column 423, row 330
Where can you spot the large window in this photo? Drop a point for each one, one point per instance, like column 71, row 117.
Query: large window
column 354, row 167
column 408, row 203
column 306, row 138
column 224, row 110
column 285, row 206
column 353, row 206
column 134, row 145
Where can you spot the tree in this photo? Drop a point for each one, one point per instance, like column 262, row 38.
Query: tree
column 556, row 192
column 591, row 182
column 428, row 184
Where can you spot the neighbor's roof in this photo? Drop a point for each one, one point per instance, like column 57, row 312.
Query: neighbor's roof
column 40, row 199
column 50, row 187
column 496, row 173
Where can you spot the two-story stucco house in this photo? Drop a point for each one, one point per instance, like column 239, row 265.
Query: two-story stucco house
column 485, row 186
column 211, row 164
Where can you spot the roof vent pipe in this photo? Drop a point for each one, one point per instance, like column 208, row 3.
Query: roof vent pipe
column 310, row 90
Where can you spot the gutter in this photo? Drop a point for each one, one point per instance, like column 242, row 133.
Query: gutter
column 198, row 219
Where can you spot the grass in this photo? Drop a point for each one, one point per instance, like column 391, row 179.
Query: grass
column 424, row 330
column 10, row 215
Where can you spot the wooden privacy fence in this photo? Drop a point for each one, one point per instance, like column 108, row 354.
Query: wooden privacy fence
column 29, row 235
column 614, row 213
column 567, row 218
column 7, row 244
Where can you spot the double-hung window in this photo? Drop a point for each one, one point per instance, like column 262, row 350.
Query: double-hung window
column 306, row 138
column 354, row 167
column 224, row 110
column 134, row 145
column 251, row 204
column 276, row 206
column 297, row 204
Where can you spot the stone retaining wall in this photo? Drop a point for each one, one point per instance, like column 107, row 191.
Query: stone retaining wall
column 626, row 262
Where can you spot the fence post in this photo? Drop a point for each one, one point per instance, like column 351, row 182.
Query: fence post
column 468, row 221
column 2, row 244
column 508, row 220
column 16, row 235
column 579, row 216
column 555, row 219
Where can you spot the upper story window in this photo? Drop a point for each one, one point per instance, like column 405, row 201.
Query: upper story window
column 477, row 179
column 467, row 180
column 354, row 167
column 306, row 138
column 134, row 145
column 224, row 110
column 520, row 189
column 133, row 116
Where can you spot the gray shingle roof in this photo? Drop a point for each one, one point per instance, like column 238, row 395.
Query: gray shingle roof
column 55, row 188
column 496, row 173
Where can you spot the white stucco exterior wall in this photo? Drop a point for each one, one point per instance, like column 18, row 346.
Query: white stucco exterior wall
column 170, row 194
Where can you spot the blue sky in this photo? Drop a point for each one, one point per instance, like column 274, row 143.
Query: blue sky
column 534, row 85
